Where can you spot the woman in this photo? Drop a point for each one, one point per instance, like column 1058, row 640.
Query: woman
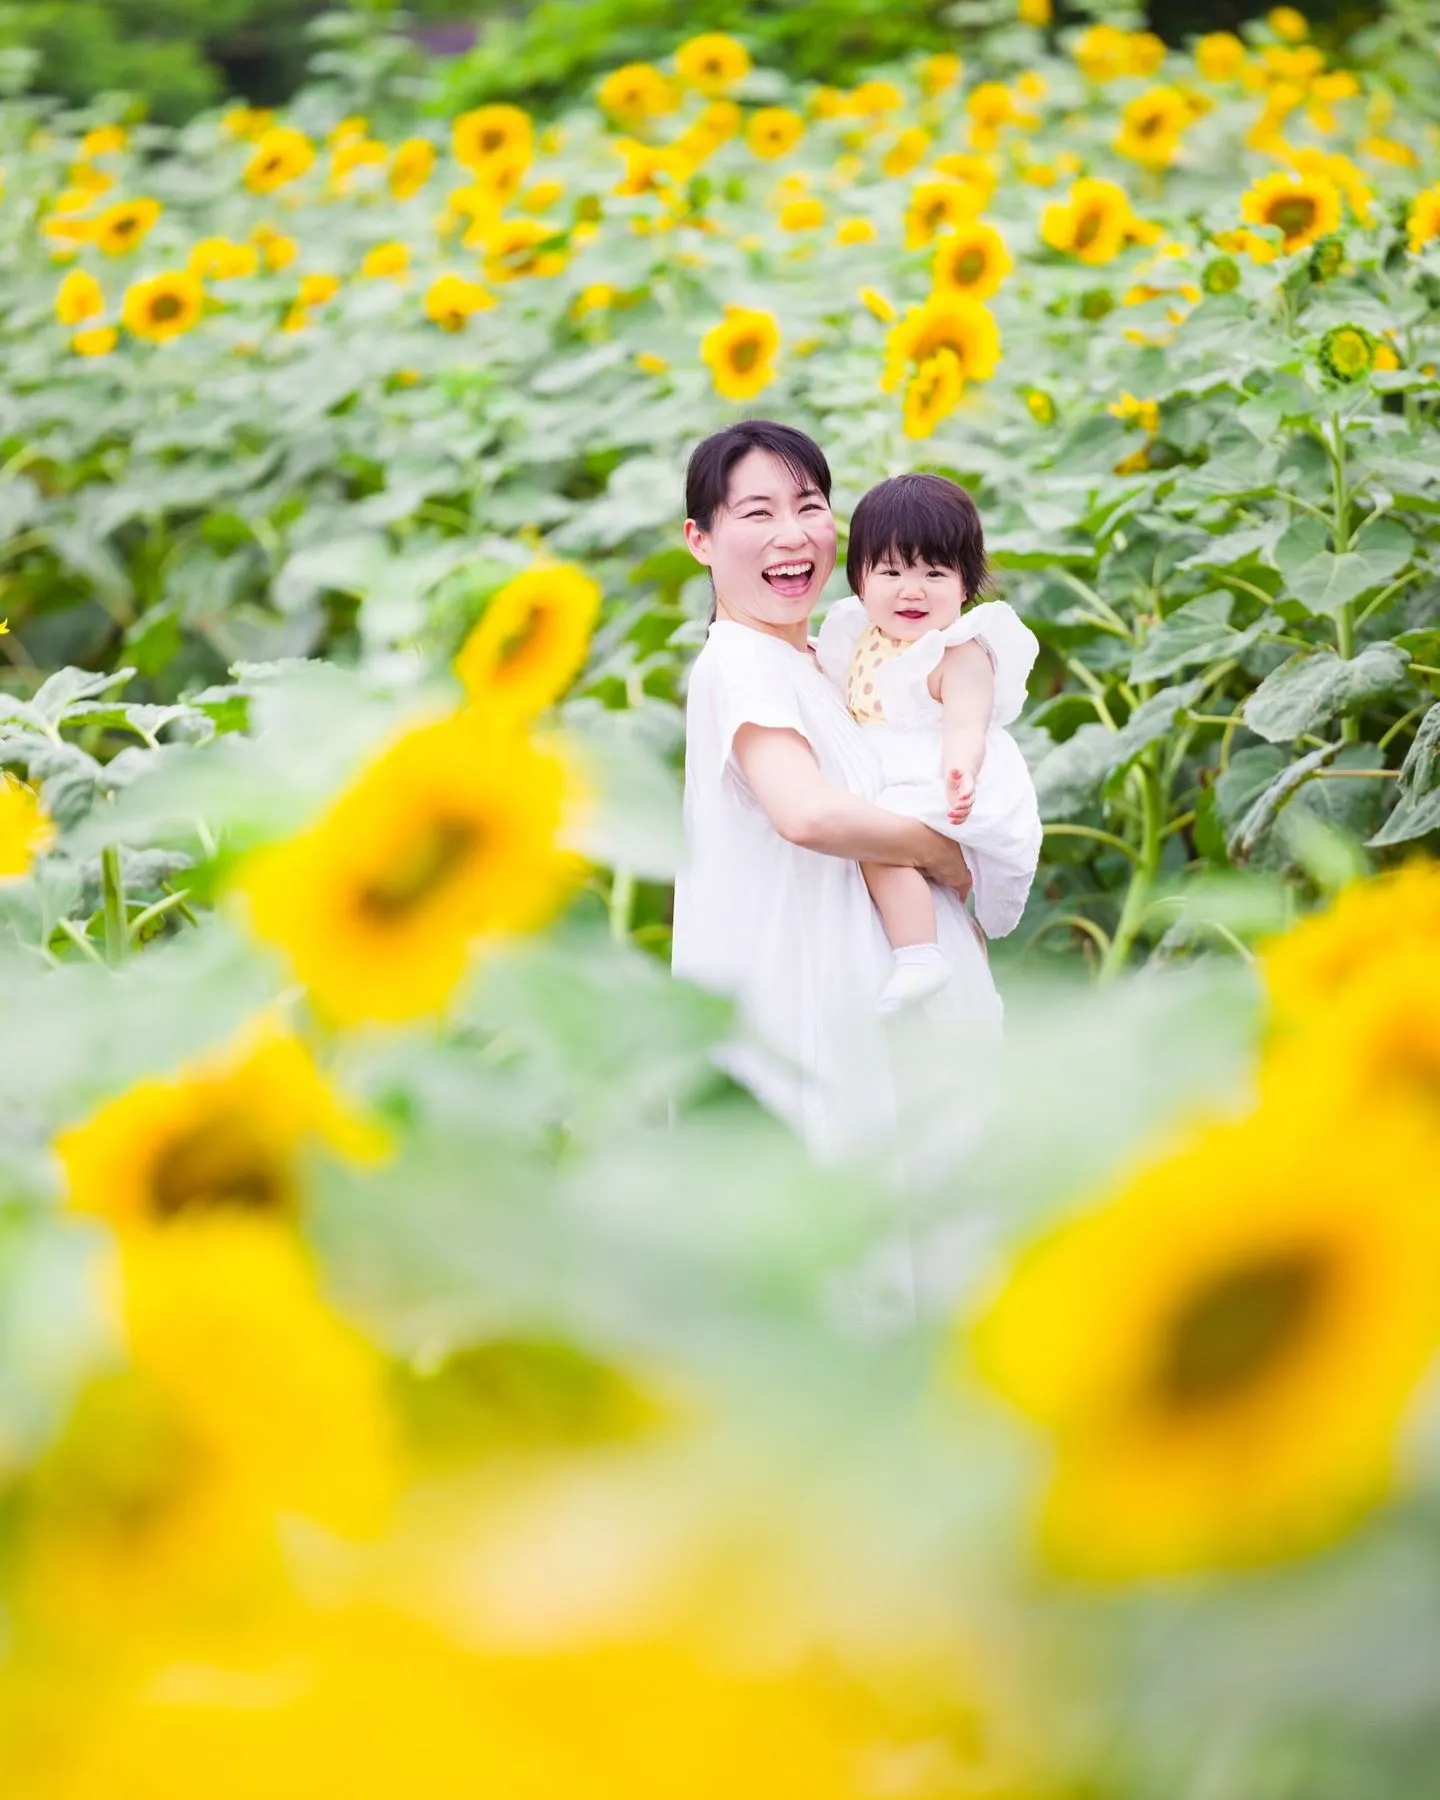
column 779, row 785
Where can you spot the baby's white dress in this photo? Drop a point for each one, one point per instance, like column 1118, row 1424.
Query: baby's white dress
column 1001, row 837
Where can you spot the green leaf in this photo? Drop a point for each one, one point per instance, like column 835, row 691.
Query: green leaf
column 1310, row 688
column 1199, row 633
column 1067, row 777
column 1324, row 582
column 1417, row 813
column 1151, row 721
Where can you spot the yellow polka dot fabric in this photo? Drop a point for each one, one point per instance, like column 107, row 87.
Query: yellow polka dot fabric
column 873, row 648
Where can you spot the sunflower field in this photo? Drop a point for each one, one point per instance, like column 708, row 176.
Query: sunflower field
column 420, row 1371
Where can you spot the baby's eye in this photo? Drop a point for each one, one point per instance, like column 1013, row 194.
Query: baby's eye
column 755, row 515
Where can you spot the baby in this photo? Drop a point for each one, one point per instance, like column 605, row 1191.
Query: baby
column 935, row 680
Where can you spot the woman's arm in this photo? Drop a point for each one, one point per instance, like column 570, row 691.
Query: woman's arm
column 967, row 694
column 807, row 810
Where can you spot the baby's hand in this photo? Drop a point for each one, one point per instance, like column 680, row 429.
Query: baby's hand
column 960, row 793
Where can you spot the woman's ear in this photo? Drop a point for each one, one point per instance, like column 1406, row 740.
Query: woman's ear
column 698, row 542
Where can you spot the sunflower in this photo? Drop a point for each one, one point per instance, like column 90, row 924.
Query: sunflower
column 1092, row 223
column 1334, row 167
column 712, row 62
column 352, row 154
column 25, row 829
column 805, row 214
column 222, row 1135
column 316, row 289
column 120, row 228
column 247, row 121
column 164, row 307
column 1038, row 13
column 1150, row 127
column 452, row 299
column 1330, row 955
column 855, row 231
column 1261, row 1303
column 932, row 393
column 531, row 642
column 448, row 837
column 543, row 195
column 104, row 140
column 1300, row 207
column 636, row 94
column 940, row 205
column 1287, row 23
column 1102, row 53
column 80, row 296
column 1040, row 406
column 879, row 305
column 389, row 261
column 281, row 155
column 1422, row 222
column 906, row 153
column 774, row 131
column 520, row 247
column 938, row 74
column 1144, row 413
column 973, row 260
column 741, row 351
column 218, row 259
column 99, row 341
column 945, row 321
column 410, row 167
column 492, row 135
column 1347, row 352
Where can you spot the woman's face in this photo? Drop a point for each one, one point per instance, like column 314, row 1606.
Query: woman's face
column 771, row 546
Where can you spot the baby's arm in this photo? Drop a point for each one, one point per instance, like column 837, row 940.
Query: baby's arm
column 967, row 694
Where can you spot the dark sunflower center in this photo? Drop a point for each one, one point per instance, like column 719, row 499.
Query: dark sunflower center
column 1293, row 214
column 526, row 634
column 935, row 214
column 744, row 354
column 218, row 1164
column 165, row 307
column 126, row 227
column 432, row 858
column 1232, row 1332
column 1087, row 227
column 970, row 266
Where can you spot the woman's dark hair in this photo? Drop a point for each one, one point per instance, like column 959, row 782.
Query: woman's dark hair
column 707, row 475
column 918, row 518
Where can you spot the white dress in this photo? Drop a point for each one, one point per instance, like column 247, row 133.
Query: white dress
column 791, row 934
column 1001, row 837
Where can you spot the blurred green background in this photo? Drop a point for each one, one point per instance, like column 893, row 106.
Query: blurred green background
column 178, row 56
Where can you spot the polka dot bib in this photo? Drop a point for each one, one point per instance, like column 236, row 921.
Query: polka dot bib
column 873, row 647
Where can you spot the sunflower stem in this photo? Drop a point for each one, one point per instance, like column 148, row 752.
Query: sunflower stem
column 1345, row 618
column 622, row 904
column 113, row 890
column 1147, row 867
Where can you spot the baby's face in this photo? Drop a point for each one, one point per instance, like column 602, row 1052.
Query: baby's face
column 907, row 599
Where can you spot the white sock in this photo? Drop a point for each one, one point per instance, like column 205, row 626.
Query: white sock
column 917, row 971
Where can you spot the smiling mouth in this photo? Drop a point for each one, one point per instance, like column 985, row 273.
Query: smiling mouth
column 790, row 577
column 911, row 612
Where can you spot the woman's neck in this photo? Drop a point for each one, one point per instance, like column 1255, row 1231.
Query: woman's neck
column 796, row 634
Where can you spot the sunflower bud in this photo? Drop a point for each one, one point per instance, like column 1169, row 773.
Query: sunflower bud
column 1347, row 352
column 1095, row 303
column 1327, row 259
column 1221, row 275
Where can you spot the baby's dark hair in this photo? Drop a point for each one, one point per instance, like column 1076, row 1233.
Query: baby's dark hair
column 707, row 479
column 919, row 518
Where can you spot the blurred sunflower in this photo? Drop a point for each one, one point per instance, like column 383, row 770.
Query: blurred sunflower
column 805, row 214
column 906, row 153
column 122, row 227
column 99, row 341
column 1092, row 223
column 316, row 289
column 988, row 107
column 1347, row 352
column 447, row 837
column 636, row 93
column 1422, row 221
column 1335, row 167
column 1224, row 1354
column 80, row 296
column 1328, row 955
column 224, row 1134
column 940, row 205
column 1144, row 413
column 281, row 155
column 932, row 393
column 855, row 231
column 1102, row 53
column 515, row 248
column 1288, row 23
column 774, row 131
column 879, row 305
column 543, row 195
column 740, row 352
column 974, row 259
column 104, row 140
column 25, row 829
column 946, row 321
column 1219, row 56
column 386, row 262
column 452, row 299
column 219, row 259
column 493, row 135
column 531, row 641
column 938, row 74
column 164, row 307
column 712, row 62
column 1151, row 127
column 352, row 154
column 411, row 166
column 1302, row 208
column 1038, row 13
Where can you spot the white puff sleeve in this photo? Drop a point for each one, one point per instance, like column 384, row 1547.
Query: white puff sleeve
column 839, row 632
column 902, row 684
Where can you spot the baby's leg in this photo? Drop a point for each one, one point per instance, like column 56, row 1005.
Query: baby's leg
column 907, row 911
